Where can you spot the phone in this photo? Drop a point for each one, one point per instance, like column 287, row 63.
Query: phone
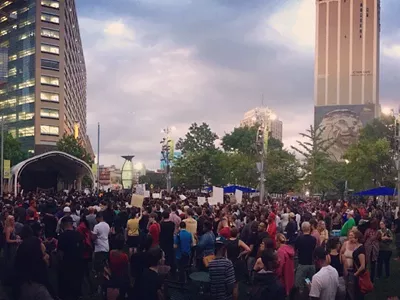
column 307, row 280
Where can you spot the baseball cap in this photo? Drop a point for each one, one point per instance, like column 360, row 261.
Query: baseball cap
column 67, row 209
column 220, row 241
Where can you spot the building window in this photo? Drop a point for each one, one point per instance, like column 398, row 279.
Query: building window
column 10, row 118
column 26, row 22
column 26, row 35
column 13, row 132
column 12, row 57
column 26, row 52
column 49, row 130
column 50, row 64
column 8, row 103
column 27, row 131
column 23, row 116
column 12, row 72
column 52, row 97
column 26, row 83
column 50, row 49
column 49, row 80
column 49, row 113
column 50, row 33
column 50, row 18
column 51, row 3
column 26, row 99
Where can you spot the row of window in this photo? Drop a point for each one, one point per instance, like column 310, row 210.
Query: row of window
column 49, row 113
column 50, row 33
column 45, row 17
column 52, row 49
column 51, row 3
column 50, row 80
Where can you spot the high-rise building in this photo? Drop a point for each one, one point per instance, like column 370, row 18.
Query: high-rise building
column 346, row 91
column 252, row 117
column 43, row 92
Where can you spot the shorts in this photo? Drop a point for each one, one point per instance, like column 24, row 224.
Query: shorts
column 133, row 241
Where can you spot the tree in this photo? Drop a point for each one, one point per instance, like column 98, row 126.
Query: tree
column 282, row 173
column 317, row 176
column 241, row 140
column 158, row 180
column 197, row 138
column 69, row 144
column 13, row 150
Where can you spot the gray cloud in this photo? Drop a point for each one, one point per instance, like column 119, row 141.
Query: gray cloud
column 193, row 61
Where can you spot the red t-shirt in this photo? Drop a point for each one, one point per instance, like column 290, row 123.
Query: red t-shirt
column 225, row 232
column 119, row 263
column 154, row 231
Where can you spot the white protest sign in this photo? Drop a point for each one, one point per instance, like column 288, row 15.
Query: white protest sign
column 156, row 195
column 238, row 196
column 137, row 200
column 147, row 194
column 217, row 197
column 201, row 200
column 140, row 188
column 182, row 197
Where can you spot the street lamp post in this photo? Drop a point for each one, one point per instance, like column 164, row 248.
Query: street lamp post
column 165, row 152
column 397, row 151
column 2, row 156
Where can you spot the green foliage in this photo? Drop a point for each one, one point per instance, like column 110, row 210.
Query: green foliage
column 198, row 138
column 13, row 150
column 158, row 180
column 282, row 174
column 72, row 146
column 318, row 176
column 241, row 140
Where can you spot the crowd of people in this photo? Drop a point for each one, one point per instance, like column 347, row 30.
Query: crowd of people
column 278, row 249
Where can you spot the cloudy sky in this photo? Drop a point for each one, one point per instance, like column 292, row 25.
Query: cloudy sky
column 158, row 63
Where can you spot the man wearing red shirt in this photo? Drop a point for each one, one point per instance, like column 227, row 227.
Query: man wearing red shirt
column 154, row 229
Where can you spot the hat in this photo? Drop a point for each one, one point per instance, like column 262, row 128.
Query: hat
column 67, row 209
column 220, row 241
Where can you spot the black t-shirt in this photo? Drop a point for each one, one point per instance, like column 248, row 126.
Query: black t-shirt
column 167, row 234
column 70, row 242
column 305, row 245
column 143, row 223
column 356, row 253
column 147, row 286
column 397, row 224
column 50, row 225
column 139, row 262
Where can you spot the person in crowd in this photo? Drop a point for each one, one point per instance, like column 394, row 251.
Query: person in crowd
column 149, row 284
column 205, row 247
column 70, row 249
column 67, row 213
column 315, row 232
column 174, row 217
column 291, row 229
column 333, row 257
column 272, row 227
column 183, row 243
column 140, row 260
column 119, row 269
column 100, row 234
column 325, row 282
column 266, row 284
column 360, row 263
column 91, row 218
column 323, row 233
column 255, row 241
column 31, row 267
column 11, row 243
column 154, row 229
column 225, row 230
column 191, row 223
column 349, row 223
column 167, row 230
column 385, row 251
column 132, row 231
column 305, row 246
column 222, row 274
column 397, row 235
column 236, row 251
column 247, row 229
column 84, row 230
column 285, row 269
column 371, row 244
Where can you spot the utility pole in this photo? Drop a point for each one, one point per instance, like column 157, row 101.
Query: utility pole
column 165, row 152
column 98, row 157
column 262, row 148
column 397, row 152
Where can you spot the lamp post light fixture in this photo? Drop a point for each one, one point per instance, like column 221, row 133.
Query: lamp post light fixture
column 167, row 153
column 127, row 172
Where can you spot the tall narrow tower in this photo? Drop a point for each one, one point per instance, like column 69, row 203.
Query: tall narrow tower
column 346, row 91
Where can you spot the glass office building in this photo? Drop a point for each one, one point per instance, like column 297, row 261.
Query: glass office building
column 42, row 72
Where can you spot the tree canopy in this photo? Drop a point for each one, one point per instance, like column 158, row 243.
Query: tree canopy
column 69, row 144
column 197, row 138
column 13, row 150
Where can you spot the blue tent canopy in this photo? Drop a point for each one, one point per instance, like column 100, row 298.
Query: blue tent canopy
column 232, row 189
column 380, row 191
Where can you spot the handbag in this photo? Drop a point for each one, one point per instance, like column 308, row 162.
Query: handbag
column 364, row 282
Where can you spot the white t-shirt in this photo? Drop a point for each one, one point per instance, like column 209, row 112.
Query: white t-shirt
column 101, row 230
column 325, row 283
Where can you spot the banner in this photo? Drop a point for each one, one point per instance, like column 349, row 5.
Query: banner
column 217, row 196
column 7, row 169
column 238, row 196
column 137, row 200
column 171, row 149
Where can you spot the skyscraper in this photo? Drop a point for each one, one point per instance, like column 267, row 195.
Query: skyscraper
column 346, row 91
column 43, row 94
column 275, row 125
